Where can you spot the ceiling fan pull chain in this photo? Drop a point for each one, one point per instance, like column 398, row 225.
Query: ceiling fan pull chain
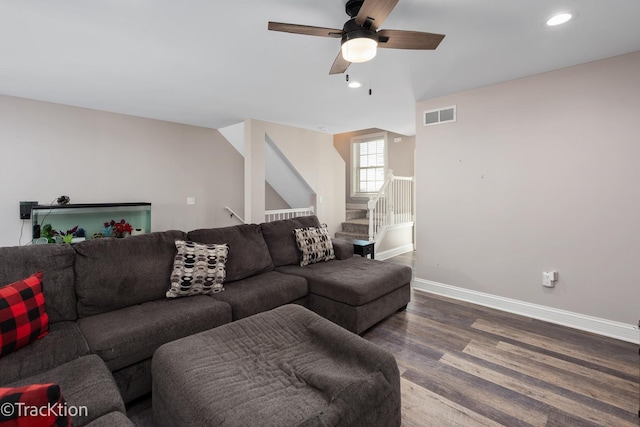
column 347, row 77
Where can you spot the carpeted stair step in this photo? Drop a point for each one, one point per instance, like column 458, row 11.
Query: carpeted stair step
column 356, row 214
column 359, row 226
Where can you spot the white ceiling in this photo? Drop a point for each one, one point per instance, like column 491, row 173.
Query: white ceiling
column 213, row 63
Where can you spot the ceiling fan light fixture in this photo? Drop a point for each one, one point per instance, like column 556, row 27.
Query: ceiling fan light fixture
column 559, row 19
column 361, row 48
column 360, row 35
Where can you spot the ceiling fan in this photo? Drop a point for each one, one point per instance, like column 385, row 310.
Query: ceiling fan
column 360, row 35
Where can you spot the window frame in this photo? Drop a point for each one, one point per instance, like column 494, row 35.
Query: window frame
column 355, row 161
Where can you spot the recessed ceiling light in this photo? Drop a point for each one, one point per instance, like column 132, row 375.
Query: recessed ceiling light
column 354, row 84
column 558, row 19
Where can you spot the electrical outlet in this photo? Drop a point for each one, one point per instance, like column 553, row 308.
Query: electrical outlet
column 549, row 279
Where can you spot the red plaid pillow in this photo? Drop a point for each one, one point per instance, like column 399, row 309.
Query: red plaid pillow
column 36, row 405
column 23, row 318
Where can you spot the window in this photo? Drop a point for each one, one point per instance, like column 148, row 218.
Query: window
column 369, row 163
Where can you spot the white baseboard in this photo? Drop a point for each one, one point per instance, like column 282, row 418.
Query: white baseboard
column 608, row 328
column 394, row 252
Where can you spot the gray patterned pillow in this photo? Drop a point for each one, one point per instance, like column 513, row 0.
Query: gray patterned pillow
column 198, row 269
column 315, row 245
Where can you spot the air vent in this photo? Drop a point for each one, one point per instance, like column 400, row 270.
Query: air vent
column 439, row 116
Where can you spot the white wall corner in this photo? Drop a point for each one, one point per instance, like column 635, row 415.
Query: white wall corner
column 235, row 135
column 608, row 328
column 284, row 178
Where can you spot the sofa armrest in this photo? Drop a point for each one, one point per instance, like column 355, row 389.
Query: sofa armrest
column 342, row 248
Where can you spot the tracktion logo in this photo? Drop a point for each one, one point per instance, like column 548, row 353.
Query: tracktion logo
column 13, row 410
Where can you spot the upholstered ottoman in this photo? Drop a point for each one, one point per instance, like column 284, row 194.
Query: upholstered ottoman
column 284, row 367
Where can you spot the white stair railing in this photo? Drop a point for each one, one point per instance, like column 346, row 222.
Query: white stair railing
column 392, row 205
column 278, row 214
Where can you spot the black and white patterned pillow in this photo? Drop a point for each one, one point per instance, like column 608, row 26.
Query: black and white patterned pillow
column 198, row 269
column 315, row 245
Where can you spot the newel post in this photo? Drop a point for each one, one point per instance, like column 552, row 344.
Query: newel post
column 371, row 205
column 391, row 218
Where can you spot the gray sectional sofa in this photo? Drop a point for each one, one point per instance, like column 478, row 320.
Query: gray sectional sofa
column 108, row 312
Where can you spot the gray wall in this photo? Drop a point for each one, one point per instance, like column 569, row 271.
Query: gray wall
column 94, row 156
column 273, row 200
column 537, row 174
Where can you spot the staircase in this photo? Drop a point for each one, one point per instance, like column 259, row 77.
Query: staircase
column 356, row 225
column 388, row 220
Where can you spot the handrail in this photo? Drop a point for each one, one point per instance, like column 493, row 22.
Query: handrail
column 372, row 206
column 233, row 213
column 393, row 204
column 374, row 199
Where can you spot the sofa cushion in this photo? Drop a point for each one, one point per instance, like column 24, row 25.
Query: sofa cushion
column 314, row 244
column 354, row 281
column 63, row 343
column 16, row 401
column 281, row 241
column 262, row 292
column 198, row 269
column 23, row 318
column 131, row 334
column 248, row 253
column 56, row 264
column 86, row 383
column 117, row 273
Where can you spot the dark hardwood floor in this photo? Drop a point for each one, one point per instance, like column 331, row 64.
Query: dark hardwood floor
column 467, row 365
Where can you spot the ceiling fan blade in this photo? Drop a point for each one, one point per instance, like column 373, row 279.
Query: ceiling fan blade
column 399, row 39
column 340, row 65
column 305, row 29
column 375, row 11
